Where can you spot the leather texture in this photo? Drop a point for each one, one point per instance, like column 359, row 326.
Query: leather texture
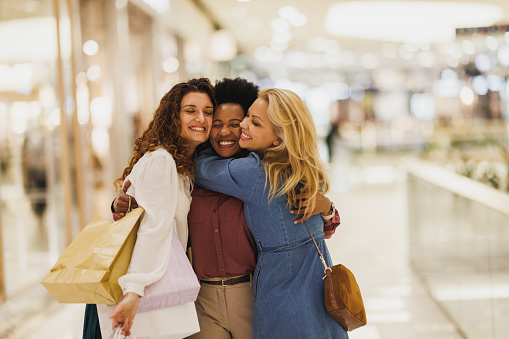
column 343, row 299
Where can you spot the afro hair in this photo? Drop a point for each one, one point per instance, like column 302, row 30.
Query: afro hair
column 236, row 91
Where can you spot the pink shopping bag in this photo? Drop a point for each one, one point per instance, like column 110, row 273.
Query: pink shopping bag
column 179, row 285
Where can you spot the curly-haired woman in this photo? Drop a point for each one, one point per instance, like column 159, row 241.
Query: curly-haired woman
column 161, row 175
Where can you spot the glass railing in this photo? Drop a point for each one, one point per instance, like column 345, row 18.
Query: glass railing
column 459, row 246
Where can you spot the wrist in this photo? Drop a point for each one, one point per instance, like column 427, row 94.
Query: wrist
column 329, row 211
column 132, row 295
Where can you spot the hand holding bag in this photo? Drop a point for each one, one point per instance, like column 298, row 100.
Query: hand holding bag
column 89, row 268
column 117, row 334
column 167, row 310
column 343, row 299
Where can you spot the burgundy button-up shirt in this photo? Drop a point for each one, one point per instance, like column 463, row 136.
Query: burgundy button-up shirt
column 221, row 243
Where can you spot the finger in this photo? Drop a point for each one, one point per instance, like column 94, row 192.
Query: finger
column 302, row 202
column 306, row 217
column 302, row 218
column 126, row 328
column 298, row 210
column 127, row 184
column 302, row 196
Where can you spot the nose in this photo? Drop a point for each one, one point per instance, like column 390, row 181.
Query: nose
column 243, row 123
column 200, row 117
column 225, row 130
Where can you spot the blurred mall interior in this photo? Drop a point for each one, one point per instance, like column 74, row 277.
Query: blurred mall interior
column 411, row 104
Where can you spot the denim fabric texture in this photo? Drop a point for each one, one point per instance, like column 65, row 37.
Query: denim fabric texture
column 288, row 288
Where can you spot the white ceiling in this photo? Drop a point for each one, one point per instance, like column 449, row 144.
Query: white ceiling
column 315, row 10
column 265, row 11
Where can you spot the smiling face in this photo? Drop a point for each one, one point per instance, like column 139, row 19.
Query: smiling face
column 225, row 132
column 196, row 111
column 257, row 130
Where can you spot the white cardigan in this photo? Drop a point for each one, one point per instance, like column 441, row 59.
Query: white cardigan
column 166, row 197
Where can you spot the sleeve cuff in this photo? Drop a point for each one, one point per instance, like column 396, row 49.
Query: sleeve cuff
column 134, row 288
column 330, row 226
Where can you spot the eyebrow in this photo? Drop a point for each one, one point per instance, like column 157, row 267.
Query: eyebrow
column 191, row 105
column 234, row 119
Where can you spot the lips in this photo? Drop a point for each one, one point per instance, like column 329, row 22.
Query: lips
column 226, row 143
column 245, row 136
column 197, row 128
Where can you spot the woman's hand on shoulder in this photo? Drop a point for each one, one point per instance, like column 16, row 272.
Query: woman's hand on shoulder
column 322, row 206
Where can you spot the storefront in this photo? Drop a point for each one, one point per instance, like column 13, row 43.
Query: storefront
column 79, row 79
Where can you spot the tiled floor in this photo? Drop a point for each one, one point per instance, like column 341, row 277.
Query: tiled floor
column 372, row 242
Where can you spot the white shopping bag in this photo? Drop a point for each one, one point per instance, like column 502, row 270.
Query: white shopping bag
column 174, row 322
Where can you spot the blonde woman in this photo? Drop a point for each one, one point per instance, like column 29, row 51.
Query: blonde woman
column 288, row 287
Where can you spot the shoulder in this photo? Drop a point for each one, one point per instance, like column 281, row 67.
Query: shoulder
column 160, row 154
column 250, row 161
column 160, row 158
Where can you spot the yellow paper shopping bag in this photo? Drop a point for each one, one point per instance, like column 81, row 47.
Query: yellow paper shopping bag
column 89, row 268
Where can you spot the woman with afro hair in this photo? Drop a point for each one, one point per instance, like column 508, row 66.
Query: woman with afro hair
column 224, row 252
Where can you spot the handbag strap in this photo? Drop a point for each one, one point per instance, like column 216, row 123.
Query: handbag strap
column 318, row 250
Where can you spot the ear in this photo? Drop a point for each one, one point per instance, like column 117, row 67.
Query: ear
column 277, row 142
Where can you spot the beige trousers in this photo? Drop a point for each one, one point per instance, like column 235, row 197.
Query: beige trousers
column 225, row 311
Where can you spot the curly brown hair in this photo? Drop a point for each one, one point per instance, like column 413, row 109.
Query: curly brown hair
column 165, row 129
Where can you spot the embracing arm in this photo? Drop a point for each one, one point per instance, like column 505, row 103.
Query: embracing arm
column 323, row 206
column 235, row 177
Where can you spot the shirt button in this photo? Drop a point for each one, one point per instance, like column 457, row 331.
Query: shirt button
column 214, row 211
column 219, row 250
column 216, row 230
column 222, row 268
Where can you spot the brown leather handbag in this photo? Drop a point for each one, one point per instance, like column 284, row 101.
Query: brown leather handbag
column 343, row 299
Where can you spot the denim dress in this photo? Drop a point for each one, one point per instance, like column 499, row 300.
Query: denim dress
column 288, row 289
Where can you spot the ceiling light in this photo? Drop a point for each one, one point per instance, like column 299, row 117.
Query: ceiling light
column 299, row 20
column 279, row 25
column 223, row 46
column 467, row 96
column 288, row 12
column 282, row 36
column 484, row 62
column 491, row 42
column 171, row 65
column 503, row 55
column 407, row 21
column 90, row 47
column 480, row 85
column 160, row 6
column 468, row 47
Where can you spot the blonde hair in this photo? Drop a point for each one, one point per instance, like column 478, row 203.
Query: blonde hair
column 296, row 160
